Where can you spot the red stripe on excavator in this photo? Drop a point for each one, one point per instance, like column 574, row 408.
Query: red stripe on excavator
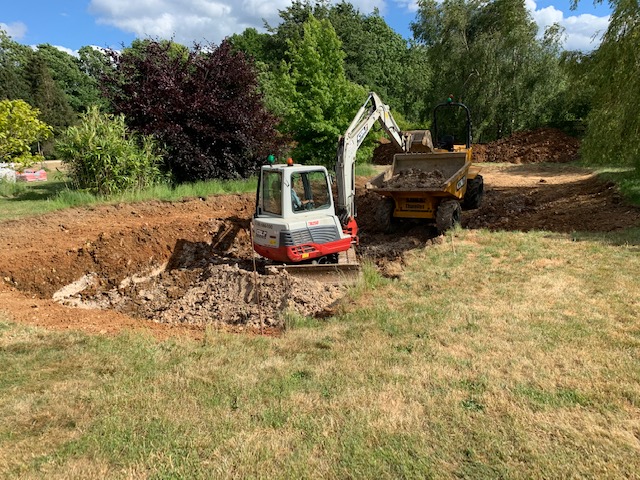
column 307, row 251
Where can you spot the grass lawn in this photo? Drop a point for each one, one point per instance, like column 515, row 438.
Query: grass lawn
column 496, row 355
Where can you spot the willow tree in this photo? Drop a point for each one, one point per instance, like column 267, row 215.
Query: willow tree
column 487, row 55
column 613, row 125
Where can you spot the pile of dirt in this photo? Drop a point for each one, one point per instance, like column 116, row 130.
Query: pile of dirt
column 217, row 295
column 384, row 152
column 536, row 146
column 416, row 178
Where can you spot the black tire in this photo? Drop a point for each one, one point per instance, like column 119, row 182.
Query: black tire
column 473, row 196
column 448, row 215
column 384, row 214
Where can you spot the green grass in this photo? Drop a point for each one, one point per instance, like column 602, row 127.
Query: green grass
column 25, row 199
column 627, row 180
column 496, row 355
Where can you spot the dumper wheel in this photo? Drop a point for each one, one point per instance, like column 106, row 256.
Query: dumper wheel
column 474, row 193
column 448, row 215
column 384, row 214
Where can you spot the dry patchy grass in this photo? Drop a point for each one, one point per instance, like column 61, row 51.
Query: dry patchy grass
column 496, row 355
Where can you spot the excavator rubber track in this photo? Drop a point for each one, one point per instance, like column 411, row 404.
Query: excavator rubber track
column 346, row 271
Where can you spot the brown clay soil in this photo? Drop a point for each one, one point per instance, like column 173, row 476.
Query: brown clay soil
column 547, row 145
column 174, row 268
column 415, row 178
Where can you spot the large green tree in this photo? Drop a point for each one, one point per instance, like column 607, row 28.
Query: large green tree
column 47, row 96
column 13, row 61
column 79, row 88
column 376, row 57
column 487, row 55
column 312, row 95
column 613, row 125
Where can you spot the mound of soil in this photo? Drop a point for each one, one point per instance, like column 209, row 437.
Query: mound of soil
column 415, row 178
column 384, row 152
column 536, row 146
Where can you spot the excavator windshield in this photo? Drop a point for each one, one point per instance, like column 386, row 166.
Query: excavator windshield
column 309, row 191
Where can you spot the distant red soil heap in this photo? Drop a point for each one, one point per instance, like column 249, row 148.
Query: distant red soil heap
column 541, row 145
column 535, row 146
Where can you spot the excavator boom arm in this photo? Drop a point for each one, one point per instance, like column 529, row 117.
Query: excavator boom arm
column 373, row 110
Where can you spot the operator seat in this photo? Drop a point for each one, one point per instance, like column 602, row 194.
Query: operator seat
column 447, row 142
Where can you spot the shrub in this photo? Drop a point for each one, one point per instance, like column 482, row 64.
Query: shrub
column 202, row 104
column 102, row 156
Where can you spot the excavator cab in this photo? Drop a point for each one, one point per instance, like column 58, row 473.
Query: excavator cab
column 295, row 218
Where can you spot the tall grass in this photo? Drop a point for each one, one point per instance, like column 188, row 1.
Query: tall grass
column 56, row 194
column 627, row 180
column 512, row 355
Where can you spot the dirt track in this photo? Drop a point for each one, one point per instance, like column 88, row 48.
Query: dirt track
column 189, row 264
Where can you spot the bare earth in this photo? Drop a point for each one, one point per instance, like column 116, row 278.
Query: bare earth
column 174, row 268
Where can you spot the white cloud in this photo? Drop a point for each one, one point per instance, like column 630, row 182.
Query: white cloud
column 409, row 5
column 189, row 21
column 73, row 53
column 582, row 32
column 16, row 30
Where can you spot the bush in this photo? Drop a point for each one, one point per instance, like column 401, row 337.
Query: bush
column 103, row 157
column 202, row 104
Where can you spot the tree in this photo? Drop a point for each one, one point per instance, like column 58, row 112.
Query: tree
column 20, row 130
column 315, row 99
column 613, row 125
column 488, row 56
column 13, row 60
column 94, row 63
column 47, row 96
column 376, row 57
column 202, row 104
column 103, row 156
column 379, row 59
column 80, row 89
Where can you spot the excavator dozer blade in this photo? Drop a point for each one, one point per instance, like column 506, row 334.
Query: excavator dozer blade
column 346, row 271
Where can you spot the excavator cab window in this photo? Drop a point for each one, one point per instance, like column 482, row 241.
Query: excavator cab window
column 310, row 191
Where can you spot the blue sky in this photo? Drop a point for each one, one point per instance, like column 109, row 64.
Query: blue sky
column 71, row 24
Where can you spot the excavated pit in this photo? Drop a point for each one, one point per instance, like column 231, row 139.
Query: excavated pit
column 213, row 281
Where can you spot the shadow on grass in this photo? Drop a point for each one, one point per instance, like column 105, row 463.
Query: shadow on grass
column 40, row 191
column 629, row 237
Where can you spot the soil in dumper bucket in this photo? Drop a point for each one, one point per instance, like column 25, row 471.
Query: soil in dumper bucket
column 414, row 178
